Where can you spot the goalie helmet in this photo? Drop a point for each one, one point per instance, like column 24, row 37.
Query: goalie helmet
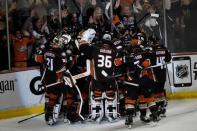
column 56, row 43
column 59, row 41
column 65, row 38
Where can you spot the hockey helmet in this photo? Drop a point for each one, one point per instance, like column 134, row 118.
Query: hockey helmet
column 57, row 43
column 65, row 38
column 142, row 38
column 107, row 38
column 139, row 39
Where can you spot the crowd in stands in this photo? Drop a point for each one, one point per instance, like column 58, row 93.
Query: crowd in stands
column 32, row 21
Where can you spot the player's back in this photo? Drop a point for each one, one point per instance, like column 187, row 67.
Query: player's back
column 162, row 55
column 54, row 63
column 103, row 61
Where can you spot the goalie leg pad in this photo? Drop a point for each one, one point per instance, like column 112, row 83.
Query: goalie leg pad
column 111, row 107
column 96, row 108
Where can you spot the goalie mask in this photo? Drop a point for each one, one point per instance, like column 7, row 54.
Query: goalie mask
column 60, row 41
column 65, row 38
column 56, row 43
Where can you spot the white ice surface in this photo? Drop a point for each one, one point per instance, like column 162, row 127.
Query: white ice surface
column 181, row 116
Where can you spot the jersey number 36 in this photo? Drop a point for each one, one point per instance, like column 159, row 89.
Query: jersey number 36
column 104, row 61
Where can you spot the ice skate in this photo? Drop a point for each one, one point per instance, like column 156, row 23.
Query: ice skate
column 163, row 113
column 51, row 121
column 49, row 117
column 154, row 119
column 129, row 121
column 145, row 119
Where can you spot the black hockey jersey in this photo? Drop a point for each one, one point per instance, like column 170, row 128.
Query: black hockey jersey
column 55, row 63
column 102, row 56
column 162, row 55
column 145, row 58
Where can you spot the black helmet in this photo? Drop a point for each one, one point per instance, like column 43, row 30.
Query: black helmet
column 142, row 37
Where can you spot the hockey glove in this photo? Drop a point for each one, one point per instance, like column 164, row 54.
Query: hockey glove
column 88, row 35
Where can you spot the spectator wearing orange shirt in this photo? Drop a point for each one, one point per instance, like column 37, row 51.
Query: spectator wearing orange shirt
column 20, row 44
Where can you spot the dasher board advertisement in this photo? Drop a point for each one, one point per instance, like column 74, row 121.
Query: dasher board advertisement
column 182, row 76
column 15, row 92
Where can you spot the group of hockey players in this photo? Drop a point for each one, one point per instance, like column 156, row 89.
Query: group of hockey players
column 101, row 73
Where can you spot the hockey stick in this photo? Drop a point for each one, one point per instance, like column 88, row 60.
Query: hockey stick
column 60, row 104
column 150, row 67
column 81, row 102
column 73, row 83
column 74, row 77
column 30, row 117
column 154, row 66
column 132, row 84
column 78, row 76
column 39, row 102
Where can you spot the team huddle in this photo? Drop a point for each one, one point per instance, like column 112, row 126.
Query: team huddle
column 103, row 76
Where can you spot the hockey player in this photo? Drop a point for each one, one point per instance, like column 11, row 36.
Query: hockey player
column 132, row 81
column 131, row 86
column 163, row 56
column 102, row 56
column 58, row 96
column 54, row 64
column 147, row 79
column 143, row 78
column 103, row 95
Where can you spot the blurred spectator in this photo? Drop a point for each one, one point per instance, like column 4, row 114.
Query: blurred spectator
column 186, row 12
column 40, row 19
column 99, row 22
column 20, row 44
column 193, row 25
column 18, row 13
column 174, row 25
column 179, row 25
column 126, row 7
column 3, row 45
column 40, row 33
column 186, row 20
column 53, row 22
